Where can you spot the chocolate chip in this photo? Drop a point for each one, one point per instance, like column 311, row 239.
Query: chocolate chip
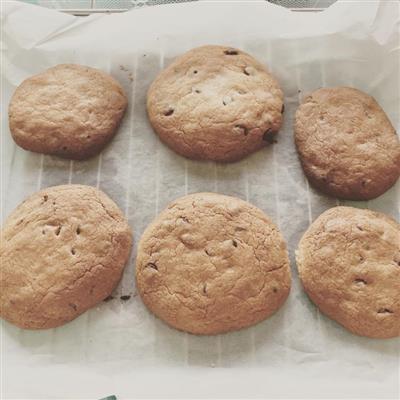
column 243, row 128
column 125, row 297
column 385, row 311
column 169, row 112
column 231, row 52
column 269, row 136
column 152, row 266
column 45, row 197
column 360, row 281
column 275, row 290
column 205, row 288
column 283, row 109
column 234, row 242
column 249, row 71
column 58, row 230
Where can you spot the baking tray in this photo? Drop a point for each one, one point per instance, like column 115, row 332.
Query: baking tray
column 119, row 347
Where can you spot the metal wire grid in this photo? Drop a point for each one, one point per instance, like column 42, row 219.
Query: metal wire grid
column 85, row 7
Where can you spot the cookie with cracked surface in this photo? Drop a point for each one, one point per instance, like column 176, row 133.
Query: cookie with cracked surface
column 211, row 263
column 69, row 110
column 348, row 148
column 215, row 103
column 62, row 251
column 349, row 263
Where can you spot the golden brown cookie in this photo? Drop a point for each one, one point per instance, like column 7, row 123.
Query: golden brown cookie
column 69, row 110
column 215, row 103
column 211, row 263
column 347, row 146
column 349, row 263
column 62, row 251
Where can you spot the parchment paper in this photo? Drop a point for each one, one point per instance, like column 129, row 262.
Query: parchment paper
column 119, row 347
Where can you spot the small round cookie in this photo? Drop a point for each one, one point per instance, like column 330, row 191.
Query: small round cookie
column 347, row 146
column 62, row 251
column 349, row 263
column 211, row 263
column 215, row 103
column 69, row 110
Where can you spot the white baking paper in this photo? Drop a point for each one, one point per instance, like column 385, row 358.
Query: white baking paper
column 119, row 347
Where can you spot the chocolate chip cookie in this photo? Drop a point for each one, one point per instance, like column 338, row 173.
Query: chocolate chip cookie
column 215, row 103
column 211, row 263
column 349, row 263
column 69, row 110
column 62, row 251
column 348, row 148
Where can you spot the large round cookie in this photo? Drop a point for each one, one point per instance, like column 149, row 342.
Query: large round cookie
column 349, row 263
column 62, row 251
column 215, row 103
column 211, row 263
column 69, row 110
column 347, row 146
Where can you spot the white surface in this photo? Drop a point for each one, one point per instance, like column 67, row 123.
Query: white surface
column 119, row 348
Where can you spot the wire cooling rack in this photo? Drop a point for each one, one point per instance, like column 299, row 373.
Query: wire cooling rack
column 87, row 7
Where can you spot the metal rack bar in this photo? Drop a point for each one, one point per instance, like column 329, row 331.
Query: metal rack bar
column 83, row 12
